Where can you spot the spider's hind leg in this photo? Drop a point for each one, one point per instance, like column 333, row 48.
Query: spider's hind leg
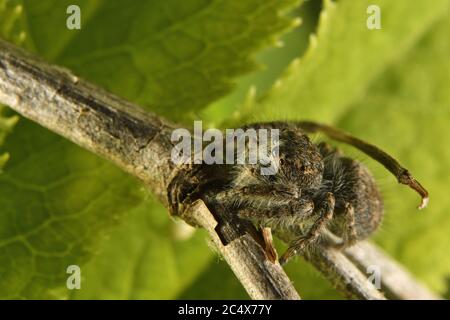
column 349, row 236
column 326, row 150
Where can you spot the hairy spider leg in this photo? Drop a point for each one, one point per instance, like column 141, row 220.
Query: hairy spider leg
column 349, row 237
column 299, row 244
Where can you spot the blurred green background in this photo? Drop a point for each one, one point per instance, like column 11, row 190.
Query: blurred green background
column 226, row 62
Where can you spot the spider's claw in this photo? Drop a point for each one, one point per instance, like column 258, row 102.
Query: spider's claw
column 424, row 202
column 407, row 179
column 287, row 256
column 297, row 247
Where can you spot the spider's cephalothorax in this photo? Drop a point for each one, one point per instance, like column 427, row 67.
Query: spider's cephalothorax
column 299, row 166
column 315, row 189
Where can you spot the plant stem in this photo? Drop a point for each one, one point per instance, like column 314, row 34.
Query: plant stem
column 396, row 281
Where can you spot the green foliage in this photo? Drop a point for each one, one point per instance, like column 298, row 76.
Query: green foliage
column 58, row 201
column 146, row 257
column 6, row 123
column 60, row 205
column 408, row 108
column 170, row 56
column 343, row 58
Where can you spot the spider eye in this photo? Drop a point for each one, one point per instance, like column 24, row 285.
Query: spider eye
column 281, row 161
column 306, row 169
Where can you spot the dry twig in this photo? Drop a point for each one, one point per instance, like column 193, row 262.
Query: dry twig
column 396, row 281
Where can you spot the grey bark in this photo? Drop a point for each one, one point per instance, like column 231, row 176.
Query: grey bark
column 396, row 281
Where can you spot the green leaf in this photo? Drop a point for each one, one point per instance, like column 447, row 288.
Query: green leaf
column 273, row 60
column 170, row 56
column 57, row 201
column 60, row 201
column 11, row 28
column 406, row 112
column 146, row 257
column 7, row 124
column 343, row 59
column 13, row 22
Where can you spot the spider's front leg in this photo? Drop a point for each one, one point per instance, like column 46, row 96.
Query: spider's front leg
column 325, row 213
column 263, row 203
column 267, row 207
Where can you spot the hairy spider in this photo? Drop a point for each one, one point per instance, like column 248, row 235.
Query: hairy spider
column 316, row 188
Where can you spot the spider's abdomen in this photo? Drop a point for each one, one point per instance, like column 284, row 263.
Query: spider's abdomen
column 353, row 183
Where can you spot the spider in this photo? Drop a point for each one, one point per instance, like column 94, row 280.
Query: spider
column 316, row 189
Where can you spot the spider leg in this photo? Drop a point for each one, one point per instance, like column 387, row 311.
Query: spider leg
column 326, row 150
column 257, row 190
column 349, row 238
column 299, row 244
column 229, row 226
column 238, row 206
column 403, row 176
column 263, row 202
column 276, row 211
